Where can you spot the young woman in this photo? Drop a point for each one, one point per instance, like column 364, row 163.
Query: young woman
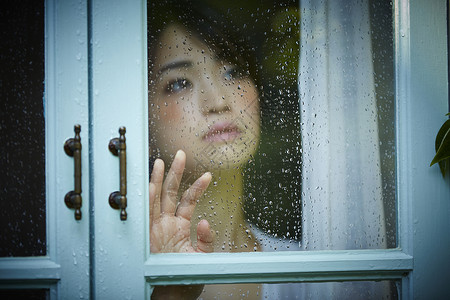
column 204, row 104
column 203, row 107
column 207, row 108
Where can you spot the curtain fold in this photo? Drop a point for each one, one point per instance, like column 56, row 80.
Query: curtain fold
column 342, row 192
column 342, row 200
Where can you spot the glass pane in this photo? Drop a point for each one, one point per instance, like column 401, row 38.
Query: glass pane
column 241, row 88
column 22, row 129
column 346, row 85
column 319, row 290
column 31, row 294
column 383, row 64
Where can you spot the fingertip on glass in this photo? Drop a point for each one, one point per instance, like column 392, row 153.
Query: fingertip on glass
column 179, row 154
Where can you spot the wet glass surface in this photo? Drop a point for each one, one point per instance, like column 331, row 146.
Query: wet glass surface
column 31, row 294
column 22, row 129
column 347, row 105
column 383, row 62
column 290, row 107
column 319, row 290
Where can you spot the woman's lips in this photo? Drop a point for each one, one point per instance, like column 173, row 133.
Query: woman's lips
column 222, row 132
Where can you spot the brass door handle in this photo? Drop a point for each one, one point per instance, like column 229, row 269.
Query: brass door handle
column 72, row 147
column 118, row 199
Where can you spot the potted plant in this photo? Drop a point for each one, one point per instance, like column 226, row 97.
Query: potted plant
column 442, row 146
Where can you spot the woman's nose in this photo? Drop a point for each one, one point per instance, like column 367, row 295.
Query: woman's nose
column 216, row 98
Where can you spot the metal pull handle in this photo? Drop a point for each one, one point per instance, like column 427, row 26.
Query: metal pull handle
column 118, row 199
column 72, row 147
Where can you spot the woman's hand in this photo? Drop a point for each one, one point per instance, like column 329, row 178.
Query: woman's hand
column 170, row 221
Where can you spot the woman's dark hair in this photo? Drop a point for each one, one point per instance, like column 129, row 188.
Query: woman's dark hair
column 208, row 25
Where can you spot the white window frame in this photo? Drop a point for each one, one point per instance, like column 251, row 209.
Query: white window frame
column 419, row 29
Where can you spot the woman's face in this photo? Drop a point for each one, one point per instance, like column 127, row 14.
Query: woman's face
column 201, row 104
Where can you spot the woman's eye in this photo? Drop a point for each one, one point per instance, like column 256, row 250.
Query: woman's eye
column 233, row 73
column 178, row 85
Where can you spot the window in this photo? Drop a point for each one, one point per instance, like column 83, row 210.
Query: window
column 301, row 168
column 96, row 76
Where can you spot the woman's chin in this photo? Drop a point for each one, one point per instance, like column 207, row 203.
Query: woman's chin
column 220, row 161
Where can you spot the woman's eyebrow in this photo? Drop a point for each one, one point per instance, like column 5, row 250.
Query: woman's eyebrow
column 175, row 65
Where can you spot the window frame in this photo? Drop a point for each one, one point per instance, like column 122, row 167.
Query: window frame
column 410, row 21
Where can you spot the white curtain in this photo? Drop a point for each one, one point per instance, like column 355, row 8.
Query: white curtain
column 342, row 191
column 342, row 200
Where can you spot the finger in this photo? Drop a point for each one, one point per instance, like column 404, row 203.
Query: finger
column 189, row 199
column 205, row 237
column 155, row 189
column 171, row 185
column 151, row 199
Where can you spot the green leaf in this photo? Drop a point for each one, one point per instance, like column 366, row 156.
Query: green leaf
column 442, row 146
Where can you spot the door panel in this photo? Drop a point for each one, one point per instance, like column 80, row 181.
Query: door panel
column 119, row 99
column 66, row 106
column 62, row 267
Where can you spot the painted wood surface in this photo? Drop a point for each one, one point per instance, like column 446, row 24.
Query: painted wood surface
column 290, row 266
column 119, row 98
column 425, row 112
column 67, row 91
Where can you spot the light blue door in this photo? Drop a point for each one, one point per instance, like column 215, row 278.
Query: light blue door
column 96, row 76
column 118, row 99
